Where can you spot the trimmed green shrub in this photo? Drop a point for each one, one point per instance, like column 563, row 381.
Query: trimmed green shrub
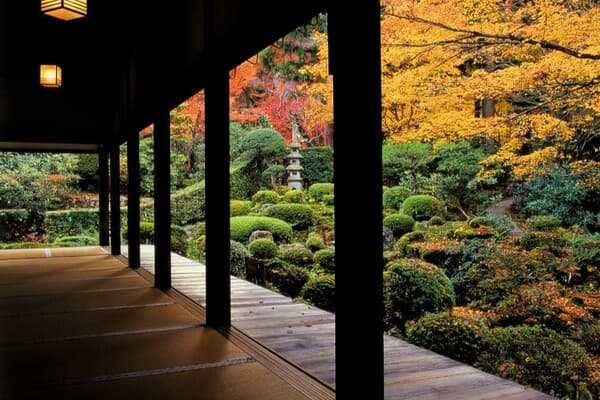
column 411, row 288
column 317, row 163
column 329, row 199
column 316, row 191
column 300, row 256
column 263, row 248
column 455, row 335
column 241, row 227
column 399, row 224
column 394, row 196
column 287, row 278
column 73, row 222
column 188, row 205
column 320, row 292
column 294, row 196
column 266, row 196
column 406, row 239
column 477, row 222
column 314, row 242
column 436, row 220
column 239, row 207
column 12, row 193
column 544, row 223
column 237, row 258
column 325, row 258
column 299, row 216
column 422, row 207
column 534, row 356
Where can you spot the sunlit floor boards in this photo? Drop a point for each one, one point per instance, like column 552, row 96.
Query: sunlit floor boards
column 79, row 324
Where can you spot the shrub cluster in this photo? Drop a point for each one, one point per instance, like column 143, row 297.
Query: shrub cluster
column 263, row 249
column 394, row 196
column 297, row 255
column 316, row 191
column 399, row 224
column 412, row 287
column 241, row 227
column 299, row 216
column 320, row 291
column 422, row 207
column 188, row 205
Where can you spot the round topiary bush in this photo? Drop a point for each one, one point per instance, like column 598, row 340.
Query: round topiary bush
column 287, row 278
column 299, row 216
column 263, row 249
column 314, row 242
column 265, row 196
column 422, row 207
column 451, row 333
column 237, row 258
column 325, row 258
column 399, row 224
column 534, row 356
column 316, row 191
column 293, row 196
column 300, row 256
column 394, row 196
column 242, row 227
column 411, row 288
column 320, row 292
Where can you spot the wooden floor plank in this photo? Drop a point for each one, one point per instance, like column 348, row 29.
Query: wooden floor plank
column 305, row 335
column 65, row 333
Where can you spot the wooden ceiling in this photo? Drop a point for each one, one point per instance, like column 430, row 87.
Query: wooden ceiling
column 122, row 62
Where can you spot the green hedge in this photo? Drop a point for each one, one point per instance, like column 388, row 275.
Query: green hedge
column 74, row 222
column 299, row 216
column 241, row 227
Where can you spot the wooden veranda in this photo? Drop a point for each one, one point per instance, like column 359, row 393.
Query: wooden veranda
column 78, row 323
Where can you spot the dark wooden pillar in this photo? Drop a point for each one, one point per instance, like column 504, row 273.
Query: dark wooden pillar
column 357, row 136
column 162, row 201
column 218, row 288
column 133, row 199
column 103, row 198
column 115, row 202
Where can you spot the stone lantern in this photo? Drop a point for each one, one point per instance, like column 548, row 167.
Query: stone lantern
column 294, row 168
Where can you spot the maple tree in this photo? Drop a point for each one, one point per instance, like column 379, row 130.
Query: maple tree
column 513, row 73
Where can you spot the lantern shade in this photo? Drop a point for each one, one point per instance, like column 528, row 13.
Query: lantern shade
column 65, row 9
column 50, row 76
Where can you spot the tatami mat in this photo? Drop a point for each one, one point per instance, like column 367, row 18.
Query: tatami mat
column 86, row 327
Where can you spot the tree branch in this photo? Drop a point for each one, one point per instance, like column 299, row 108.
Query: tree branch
column 468, row 35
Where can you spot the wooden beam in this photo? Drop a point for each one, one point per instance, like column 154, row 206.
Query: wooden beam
column 133, row 199
column 115, row 201
column 218, row 288
column 358, row 231
column 162, row 200
column 103, row 198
